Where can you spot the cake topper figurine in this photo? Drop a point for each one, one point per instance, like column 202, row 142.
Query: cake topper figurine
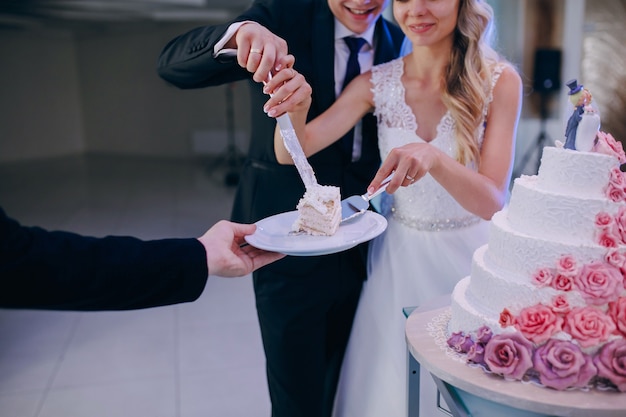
column 584, row 123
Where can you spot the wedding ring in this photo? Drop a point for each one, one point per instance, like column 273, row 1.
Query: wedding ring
column 256, row 51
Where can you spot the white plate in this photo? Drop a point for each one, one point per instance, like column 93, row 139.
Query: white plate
column 272, row 233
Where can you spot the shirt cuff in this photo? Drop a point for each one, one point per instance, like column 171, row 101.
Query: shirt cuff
column 218, row 49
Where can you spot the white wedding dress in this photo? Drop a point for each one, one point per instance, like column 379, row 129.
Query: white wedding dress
column 424, row 252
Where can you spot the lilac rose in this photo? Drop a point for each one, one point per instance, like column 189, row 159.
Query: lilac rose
column 561, row 365
column 509, row 355
column 476, row 354
column 464, row 344
column 460, row 342
column 454, row 337
column 483, row 334
column 611, row 363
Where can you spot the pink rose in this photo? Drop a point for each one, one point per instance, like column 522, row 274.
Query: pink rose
column 614, row 193
column 616, row 185
column 616, row 258
column 616, row 177
column 542, row 277
column 509, row 355
column 609, row 237
column 561, row 365
column 611, row 363
column 537, row 323
column 506, row 318
column 563, row 283
column 620, row 220
column 567, row 266
column 599, row 282
column 606, row 144
column 589, row 326
column 603, row 219
column 617, row 311
column 560, row 305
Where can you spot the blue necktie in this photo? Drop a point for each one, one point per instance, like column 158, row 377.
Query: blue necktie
column 352, row 70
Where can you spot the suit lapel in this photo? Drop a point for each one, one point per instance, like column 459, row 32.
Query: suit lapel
column 385, row 48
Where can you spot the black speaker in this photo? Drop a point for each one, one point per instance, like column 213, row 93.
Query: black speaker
column 547, row 76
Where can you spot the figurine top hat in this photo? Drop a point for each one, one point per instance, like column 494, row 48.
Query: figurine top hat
column 574, row 87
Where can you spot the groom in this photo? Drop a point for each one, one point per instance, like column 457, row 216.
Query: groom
column 305, row 305
column 579, row 97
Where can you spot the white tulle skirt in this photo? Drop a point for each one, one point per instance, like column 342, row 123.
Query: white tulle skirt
column 407, row 268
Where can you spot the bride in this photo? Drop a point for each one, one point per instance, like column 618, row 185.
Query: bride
column 447, row 117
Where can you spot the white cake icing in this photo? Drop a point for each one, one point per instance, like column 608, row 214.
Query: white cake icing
column 319, row 211
column 550, row 217
column 582, row 174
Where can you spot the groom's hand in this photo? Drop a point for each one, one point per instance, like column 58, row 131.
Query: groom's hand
column 260, row 51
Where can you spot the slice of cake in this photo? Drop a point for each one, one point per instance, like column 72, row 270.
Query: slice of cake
column 319, row 211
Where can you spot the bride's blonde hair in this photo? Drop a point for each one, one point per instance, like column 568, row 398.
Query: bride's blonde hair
column 467, row 84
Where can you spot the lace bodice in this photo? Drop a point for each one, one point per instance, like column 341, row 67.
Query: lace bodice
column 425, row 205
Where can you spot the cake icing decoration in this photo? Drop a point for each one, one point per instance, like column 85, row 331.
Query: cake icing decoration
column 553, row 311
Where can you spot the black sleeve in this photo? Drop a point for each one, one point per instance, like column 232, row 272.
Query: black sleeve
column 42, row 269
column 187, row 61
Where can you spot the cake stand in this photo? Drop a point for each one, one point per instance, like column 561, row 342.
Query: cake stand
column 425, row 338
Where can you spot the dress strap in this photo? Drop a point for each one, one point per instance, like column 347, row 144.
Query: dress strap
column 495, row 76
column 391, row 109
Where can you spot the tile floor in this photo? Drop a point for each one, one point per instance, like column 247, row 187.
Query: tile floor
column 198, row 359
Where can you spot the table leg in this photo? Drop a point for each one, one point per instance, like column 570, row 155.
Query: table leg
column 457, row 408
column 413, row 386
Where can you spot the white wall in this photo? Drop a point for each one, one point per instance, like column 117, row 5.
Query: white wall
column 40, row 106
column 129, row 109
column 100, row 93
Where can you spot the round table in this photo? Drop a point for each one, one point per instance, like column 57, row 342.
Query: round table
column 424, row 335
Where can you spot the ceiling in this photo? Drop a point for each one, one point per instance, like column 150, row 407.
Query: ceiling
column 82, row 13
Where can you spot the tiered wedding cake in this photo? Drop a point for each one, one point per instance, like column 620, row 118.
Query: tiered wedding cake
column 546, row 299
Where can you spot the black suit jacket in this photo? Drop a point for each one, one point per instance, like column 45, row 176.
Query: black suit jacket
column 306, row 301
column 41, row 269
column 267, row 187
column 572, row 126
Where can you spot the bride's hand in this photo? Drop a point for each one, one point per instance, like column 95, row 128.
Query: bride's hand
column 410, row 162
column 289, row 92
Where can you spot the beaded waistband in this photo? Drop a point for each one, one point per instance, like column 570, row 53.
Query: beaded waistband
column 437, row 224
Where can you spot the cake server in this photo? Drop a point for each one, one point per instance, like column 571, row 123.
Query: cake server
column 356, row 205
column 292, row 144
column 295, row 150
